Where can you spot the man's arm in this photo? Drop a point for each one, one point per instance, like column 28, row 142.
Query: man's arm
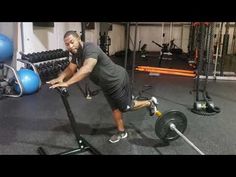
column 68, row 72
column 83, row 72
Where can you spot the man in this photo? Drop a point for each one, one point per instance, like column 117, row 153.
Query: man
column 112, row 78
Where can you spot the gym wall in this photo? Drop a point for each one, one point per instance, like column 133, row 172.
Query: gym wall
column 152, row 31
column 117, row 35
column 92, row 35
column 36, row 39
column 49, row 38
column 29, row 38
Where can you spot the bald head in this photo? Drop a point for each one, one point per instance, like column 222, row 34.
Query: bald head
column 73, row 33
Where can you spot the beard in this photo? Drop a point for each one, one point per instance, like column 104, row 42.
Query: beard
column 74, row 51
column 77, row 54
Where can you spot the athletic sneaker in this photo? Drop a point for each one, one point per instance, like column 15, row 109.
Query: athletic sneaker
column 118, row 136
column 153, row 106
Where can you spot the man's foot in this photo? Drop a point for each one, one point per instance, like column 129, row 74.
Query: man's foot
column 118, row 136
column 153, row 106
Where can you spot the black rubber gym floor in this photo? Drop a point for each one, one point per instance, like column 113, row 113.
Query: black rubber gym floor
column 41, row 120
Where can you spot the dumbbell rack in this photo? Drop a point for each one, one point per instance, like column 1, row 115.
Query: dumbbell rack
column 47, row 63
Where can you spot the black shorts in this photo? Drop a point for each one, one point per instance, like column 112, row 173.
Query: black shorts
column 122, row 98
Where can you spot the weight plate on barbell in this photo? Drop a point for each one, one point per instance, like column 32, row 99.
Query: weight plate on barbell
column 162, row 126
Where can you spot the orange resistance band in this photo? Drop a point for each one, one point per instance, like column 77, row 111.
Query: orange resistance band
column 166, row 72
column 167, row 69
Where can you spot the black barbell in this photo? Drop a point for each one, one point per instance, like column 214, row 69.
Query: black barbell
column 171, row 125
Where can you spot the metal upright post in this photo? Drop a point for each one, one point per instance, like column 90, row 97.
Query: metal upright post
column 83, row 31
column 126, row 43
column 134, row 51
column 233, row 40
column 163, row 32
column 87, row 90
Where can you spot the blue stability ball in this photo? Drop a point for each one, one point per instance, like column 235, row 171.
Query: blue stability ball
column 30, row 81
column 6, row 48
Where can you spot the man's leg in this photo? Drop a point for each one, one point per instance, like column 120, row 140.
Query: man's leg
column 141, row 104
column 150, row 104
column 118, row 118
column 121, row 133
